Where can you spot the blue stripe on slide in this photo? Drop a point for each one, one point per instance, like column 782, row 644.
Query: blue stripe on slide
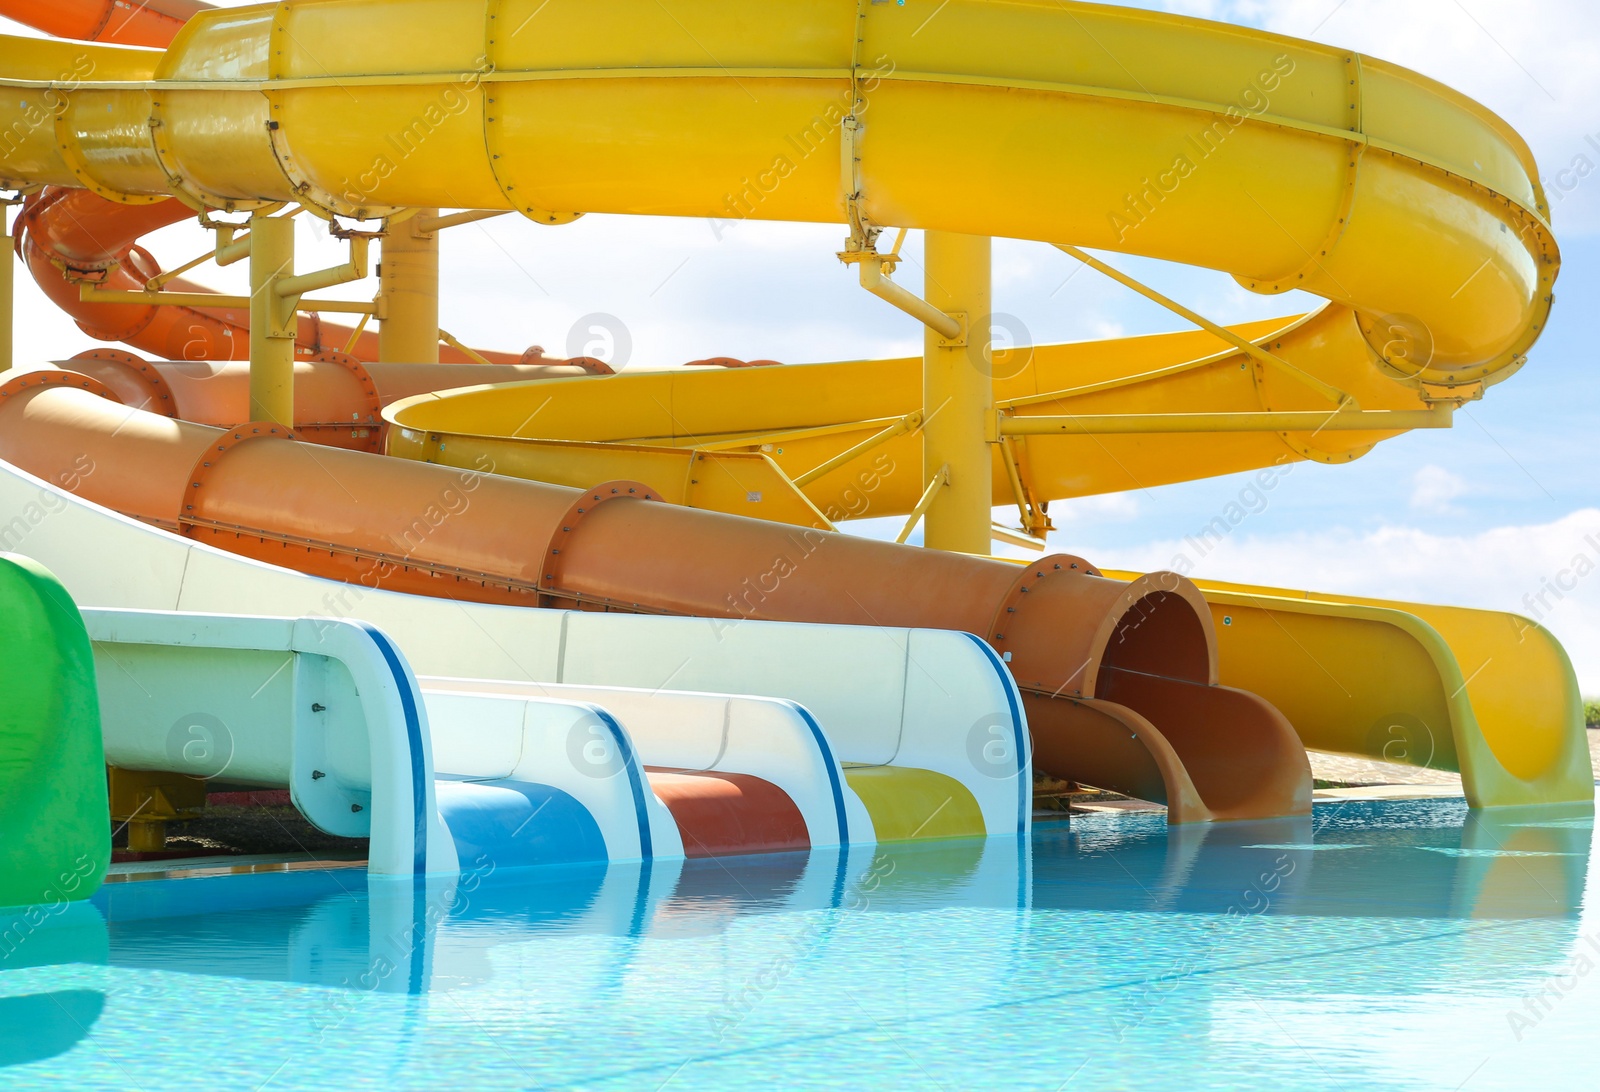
column 833, row 771
column 635, row 781
column 419, row 784
column 1024, row 790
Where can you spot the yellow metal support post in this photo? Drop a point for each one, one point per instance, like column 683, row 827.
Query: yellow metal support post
column 8, row 330
column 958, row 394
column 272, row 321
column 408, row 293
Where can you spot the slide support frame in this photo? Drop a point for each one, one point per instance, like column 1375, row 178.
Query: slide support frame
column 408, row 291
column 958, row 393
column 272, row 321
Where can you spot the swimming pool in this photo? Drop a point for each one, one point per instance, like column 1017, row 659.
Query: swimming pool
column 1399, row 944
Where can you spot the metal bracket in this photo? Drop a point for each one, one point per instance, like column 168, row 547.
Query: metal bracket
column 875, row 278
column 1056, row 565
column 189, row 506
column 23, row 382
column 940, row 480
column 960, row 340
column 550, row 579
column 161, row 399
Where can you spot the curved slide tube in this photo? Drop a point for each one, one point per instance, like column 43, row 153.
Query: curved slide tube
column 1119, row 678
column 72, row 237
column 825, row 425
column 143, row 23
column 911, row 702
column 338, row 399
column 695, row 747
column 1433, row 229
column 1490, row 695
column 1370, row 186
column 52, row 777
column 1053, row 467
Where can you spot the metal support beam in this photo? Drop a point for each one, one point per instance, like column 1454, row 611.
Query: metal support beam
column 272, row 321
column 875, row 279
column 1104, row 424
column 938, row 483
column 90, row 293
column 1249, row 348
column 428, row 224
column 408, row 291
column 454, row 343
column 8, row 274
column 958, row 393
column 899, row 428
column 1018, row 538
column 292, row 287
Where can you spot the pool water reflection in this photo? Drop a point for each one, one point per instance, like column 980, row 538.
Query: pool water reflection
column 1407, row 945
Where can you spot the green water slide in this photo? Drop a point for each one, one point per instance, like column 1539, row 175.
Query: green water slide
column 55, row 839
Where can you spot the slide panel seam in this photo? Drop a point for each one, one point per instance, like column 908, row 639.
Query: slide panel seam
column 408, row 701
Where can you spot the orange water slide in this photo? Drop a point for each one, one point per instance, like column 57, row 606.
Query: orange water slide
column 1119, row 677
column 120, row 22
column 71, row 237
column 338, row 398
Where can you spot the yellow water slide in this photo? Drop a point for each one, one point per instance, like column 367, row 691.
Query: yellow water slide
column 1487, row 694
column 1413, row 211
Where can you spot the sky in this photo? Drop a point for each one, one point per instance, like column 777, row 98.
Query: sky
column 1500, row 512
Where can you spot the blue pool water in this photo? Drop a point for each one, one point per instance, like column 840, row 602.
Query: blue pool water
column 1394, row 945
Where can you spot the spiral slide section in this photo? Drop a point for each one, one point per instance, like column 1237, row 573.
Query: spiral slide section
column 1308, row 167
column 70, row 237
column 339, row 401
column 1405, row 205
column 1120, row 674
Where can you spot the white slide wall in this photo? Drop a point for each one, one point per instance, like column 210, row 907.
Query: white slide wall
column 883, row 696
column 212, row 695
column 771, row 738
column 576, row 746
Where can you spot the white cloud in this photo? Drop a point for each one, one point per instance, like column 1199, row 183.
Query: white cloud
column 1105, row 508
column 1548, row 572
column 1434, row 488
column 1530, row 61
